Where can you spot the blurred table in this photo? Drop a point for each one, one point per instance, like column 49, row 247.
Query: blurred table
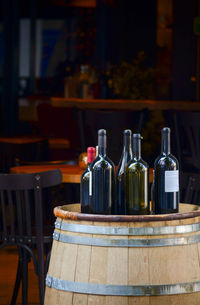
column 70, row 173
column 21, row 140
column 125, row 104
column 28, row 106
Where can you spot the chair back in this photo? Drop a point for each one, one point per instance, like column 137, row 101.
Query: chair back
column 22, row 211
column 22, row 206
column 187, row 134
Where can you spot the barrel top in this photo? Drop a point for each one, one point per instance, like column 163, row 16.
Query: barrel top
column 73, row 212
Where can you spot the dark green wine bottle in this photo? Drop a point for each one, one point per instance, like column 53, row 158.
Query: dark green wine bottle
column 166, row 171
column 85, row 196
column 137, row 181
column 102, row 173
column 127, row 155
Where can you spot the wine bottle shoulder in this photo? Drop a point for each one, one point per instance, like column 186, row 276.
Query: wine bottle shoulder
column 109, row 161
column 122, row 165
column 174, row 158
column 85, row 174
column 137, row 165
column 120, row 171
column 102, row 162
column 166, row 160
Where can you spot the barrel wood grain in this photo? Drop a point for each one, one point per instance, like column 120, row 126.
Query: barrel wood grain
column 185, row 299
column 117, row 269
column 98, row 271
column 82, row 272
column 111, row 265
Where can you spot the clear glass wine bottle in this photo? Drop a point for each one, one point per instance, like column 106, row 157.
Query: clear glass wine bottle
column 127, row 155
column 137, row 181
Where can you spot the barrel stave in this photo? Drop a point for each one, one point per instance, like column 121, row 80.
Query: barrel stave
column 151, row 268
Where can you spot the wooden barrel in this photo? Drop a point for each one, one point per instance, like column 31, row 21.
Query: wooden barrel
column 124, row 260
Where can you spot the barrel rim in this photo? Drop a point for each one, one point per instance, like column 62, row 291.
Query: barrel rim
column 64, row 214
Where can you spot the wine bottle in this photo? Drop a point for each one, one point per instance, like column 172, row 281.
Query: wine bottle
column 152, row 207
column 166, row 170
column 127, row 155
column 102, row 173
column 137, row 181
column 85, row 195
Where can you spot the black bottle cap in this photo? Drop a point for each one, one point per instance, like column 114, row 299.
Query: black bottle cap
column 102, row 132
column 101, row 138
column 165, row 140
column 127, row 132
column 137, row 136
column 166, row 130
column 137, row 145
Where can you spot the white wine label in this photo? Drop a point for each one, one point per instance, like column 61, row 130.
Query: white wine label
column 90, row 184
column 172, row 181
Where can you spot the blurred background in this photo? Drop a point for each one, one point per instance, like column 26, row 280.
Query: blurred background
column 94, row 49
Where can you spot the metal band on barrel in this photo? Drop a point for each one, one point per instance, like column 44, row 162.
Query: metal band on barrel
column 103, row 230
column 104, row 242
column 122, row 290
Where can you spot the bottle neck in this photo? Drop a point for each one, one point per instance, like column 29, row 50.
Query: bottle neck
column 127, row 143
column 102, row 145
column 137, row 148
column 165, row 143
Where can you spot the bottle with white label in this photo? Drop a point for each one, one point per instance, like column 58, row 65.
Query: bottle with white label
column 166, row 178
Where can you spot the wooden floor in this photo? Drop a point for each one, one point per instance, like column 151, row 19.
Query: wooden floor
column 8, row 268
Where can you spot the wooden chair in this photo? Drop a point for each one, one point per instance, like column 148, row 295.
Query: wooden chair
column 27, row 223
column 187, row 139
